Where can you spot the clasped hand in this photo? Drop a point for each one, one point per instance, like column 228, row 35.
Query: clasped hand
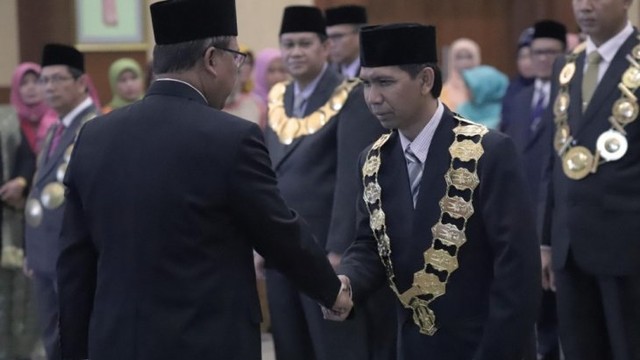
column 343, row 305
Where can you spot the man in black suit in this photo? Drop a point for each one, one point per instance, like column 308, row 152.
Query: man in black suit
column 343, row 28
column 523, row 123
column 318, row 124
column 593, row 202
column 166, row 200
column 65, row 90
column 442, row 214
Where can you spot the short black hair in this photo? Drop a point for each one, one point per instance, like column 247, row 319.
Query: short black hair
column 414, row 69
column 184, row 56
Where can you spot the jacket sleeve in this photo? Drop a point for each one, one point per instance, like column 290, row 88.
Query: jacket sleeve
column 509, row 224
column 357, row 128
column 281, row 236
column 25, row 163
column 361, row 262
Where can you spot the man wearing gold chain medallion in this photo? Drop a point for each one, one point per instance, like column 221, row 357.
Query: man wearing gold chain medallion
column 65, row 89
column 317, row 126
column 592, row 202
column 442, row 216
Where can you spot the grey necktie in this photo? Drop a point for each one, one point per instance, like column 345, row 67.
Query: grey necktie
column 590, row 80
column 414, row 168
column 298, row 106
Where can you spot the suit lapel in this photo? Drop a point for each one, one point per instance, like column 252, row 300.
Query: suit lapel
column 610, row 80
column 319, row 97
column 68, row 138
column 432, row 185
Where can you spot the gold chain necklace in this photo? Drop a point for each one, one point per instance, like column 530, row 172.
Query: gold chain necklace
column 291, row 128
column 578, row 161
column 441, row 259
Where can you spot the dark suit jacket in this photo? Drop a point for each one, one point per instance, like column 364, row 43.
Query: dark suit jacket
column 534, row 149
column 41, row 242
column 317, row 174
column 491, row 300
column 167, row 199
column 596, row 218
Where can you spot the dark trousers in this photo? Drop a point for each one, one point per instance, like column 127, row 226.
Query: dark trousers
column 599, row 315
column 547, row 328
column 46, row 292
column 300, row 332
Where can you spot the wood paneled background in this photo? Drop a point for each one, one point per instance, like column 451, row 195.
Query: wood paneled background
column 494, row 24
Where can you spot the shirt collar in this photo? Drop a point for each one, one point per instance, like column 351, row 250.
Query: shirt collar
column 351, row 70
column 307, row 91
column 420, row 145
column 185, row 83
column 68, row 119
column 610, row 47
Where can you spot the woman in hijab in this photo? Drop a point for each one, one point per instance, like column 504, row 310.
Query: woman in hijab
column 464, row 54
column 241, row 102
column 127, row 84
column 486, row 88
column 18, row 146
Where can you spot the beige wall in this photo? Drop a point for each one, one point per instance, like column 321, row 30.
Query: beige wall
column 634, row 13
column 9, row 30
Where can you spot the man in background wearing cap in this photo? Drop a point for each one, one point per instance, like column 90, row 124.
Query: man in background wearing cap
column 166, row 200
column 593, row 198
column 442, row 214
column 318, row 124
column 525, row 126
column 343, row 28
column 65, row 90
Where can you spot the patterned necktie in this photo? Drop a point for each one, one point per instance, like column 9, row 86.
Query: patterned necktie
column 414, row 168
column 590, row 80
column 298, row 106
column 537, row 112
column 55, row 140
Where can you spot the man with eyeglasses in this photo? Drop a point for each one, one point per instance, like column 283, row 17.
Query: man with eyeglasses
column 166, row 200
column 523, row 122
column 343, row 26
column 317, row 126
column 65, row 90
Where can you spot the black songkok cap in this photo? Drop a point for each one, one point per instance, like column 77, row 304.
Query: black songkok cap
column 186, row 20
column 348, row 14
column 550, row 29
column 57, row 54
column 398, row 44
column 303, row 19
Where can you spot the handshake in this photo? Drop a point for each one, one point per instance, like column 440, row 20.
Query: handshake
column 343, row 305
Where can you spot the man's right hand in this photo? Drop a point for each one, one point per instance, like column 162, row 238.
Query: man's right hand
column 548, row 279
column 343, row 305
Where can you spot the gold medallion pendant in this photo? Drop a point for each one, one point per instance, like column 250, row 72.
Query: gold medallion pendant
column 33, row 212
column 577, row 162
column 612, row 145
column 52, row 195
column 567, row 72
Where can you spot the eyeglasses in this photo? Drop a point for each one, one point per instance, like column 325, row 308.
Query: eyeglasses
column 54, row 79
column 340, row 36
column 238, row 57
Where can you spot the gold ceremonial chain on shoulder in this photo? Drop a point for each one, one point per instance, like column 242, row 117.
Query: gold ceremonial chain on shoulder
column 52, row 196
column 291, row 128
column 441, row 259
column 578, row 161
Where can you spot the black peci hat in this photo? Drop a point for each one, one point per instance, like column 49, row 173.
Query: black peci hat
column 185, row 20
column 57, row 54
column 550, row 29
column 303, row 19
column 348, row 14
column 398, row 44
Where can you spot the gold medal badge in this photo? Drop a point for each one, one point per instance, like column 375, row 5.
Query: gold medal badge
column 612, row 145
column 577, row 163
column 567, row 72
column 52, row 195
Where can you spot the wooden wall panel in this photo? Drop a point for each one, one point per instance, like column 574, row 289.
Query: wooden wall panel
column 494, row 24
column 4, row 95
column 97, row 65
column 44, row 21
